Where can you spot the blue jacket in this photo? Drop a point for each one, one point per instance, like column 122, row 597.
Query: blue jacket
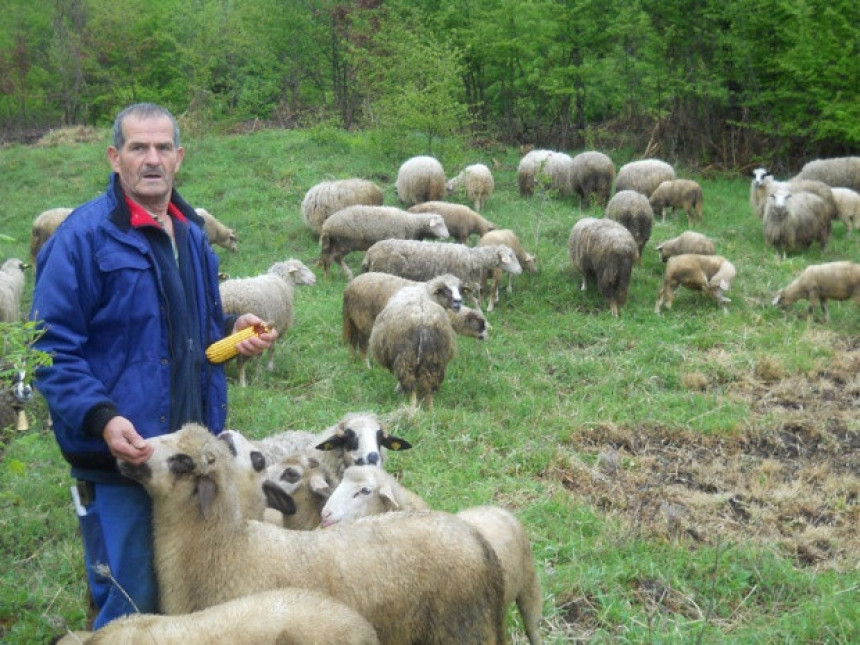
column 100, row 299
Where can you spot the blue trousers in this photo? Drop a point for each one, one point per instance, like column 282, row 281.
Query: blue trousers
column 117, row 532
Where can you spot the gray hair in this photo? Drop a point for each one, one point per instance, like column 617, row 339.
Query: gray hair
column 141, row 111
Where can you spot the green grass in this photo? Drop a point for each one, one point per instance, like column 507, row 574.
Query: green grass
column 520, row 420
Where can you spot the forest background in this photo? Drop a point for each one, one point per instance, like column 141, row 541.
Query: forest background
column 722, row 84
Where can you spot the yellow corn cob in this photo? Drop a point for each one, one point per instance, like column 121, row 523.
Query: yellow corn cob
column 225, row 349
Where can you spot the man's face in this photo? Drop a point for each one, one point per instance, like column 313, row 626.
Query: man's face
column 148, row 160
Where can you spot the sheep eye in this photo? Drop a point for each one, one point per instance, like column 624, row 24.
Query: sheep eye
column 364, row 491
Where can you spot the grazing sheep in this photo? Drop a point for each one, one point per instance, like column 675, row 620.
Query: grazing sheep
column 461, row 220
column 469, row 322
column 288, row 616
column 591, row 177
column 15, row 394
column 366, row 295
column 819, row 283
column 44, row 226
column 632, row 210
column 686, row 242
column 298, row 487
column 11, row 287
column 605, row 251
column 508, row 238
column 712, row 274
column 218, row 232
column 478, row 182
column 793, row 220
column 328, row 197
column 837, row 172
column 553, row 168
column 356, row 228
column 269, row 296
column 685, row 194
column 848, row 207
column 644, row 176
column 447, row 585
column 420, row 179
column 759, row 188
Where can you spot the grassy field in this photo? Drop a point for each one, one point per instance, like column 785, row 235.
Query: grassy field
column 691, row 477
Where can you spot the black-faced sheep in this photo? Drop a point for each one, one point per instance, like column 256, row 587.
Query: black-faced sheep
column 447, row 587
column 842, row 172
column 357, row 228
column 592, row 175
column 686, row 242
column 684, row 194
column 328, row 197
column 604, row 251
column 270, row 296
column 218, row 232
column 420, row 179
column 289, row 616
column 847, row 207
column 633, row 211
column 44, row 226
column 644, row 175
column 712, row 274
column 546, row 168
column 819, row 283
column 477, row 180
column 506, row 237
column 795, row 219
column 460, row 220
column 12, row 280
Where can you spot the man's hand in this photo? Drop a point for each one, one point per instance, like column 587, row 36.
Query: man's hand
column 255, row 344
column 124, row 442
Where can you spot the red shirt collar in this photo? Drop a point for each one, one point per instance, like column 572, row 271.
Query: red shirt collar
column 140, row 216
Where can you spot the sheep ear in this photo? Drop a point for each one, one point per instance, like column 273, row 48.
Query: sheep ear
column 331, row 443
column 319, row 486
column 279, row 499
column 395, row 443
column 207, row 491
column 387, row 496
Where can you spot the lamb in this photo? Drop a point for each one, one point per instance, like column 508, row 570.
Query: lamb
column 478, row 182
column 819, row 283
column 12, row 280
column 686, row 242
column 288, row 616
column 508, row 238
column 218, row 232
column 270, row 296
column 447, row 587
column 793, row 220
column 298, row 487
column 461, row 220
column 328, row 197
column 592, row 175
column 632, row 210
column 366, row 295
column 605, row 251
column 685, row 194
column 644, row 175
column 366, row 491
column 760, row 186
column 420, row 179
column 469, row 322
column 712, row 274
column 545, row 166
column 356, row 228
column 847, row 207
column 44, row 226
column 837, row 172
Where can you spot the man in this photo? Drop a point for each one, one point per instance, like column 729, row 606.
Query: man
column 127, row 295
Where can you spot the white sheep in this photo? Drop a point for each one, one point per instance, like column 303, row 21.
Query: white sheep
column 604, row 251
column 712, row 274
column 506, row 237
column 356, row 228
column 795, row 219
column 218, row 232
column 545, row 167
column 328, row 197
column 674, row 194
column 760, row 186
column 44, row 226
column 460, row 220
column 365, row 295
column 269, row 296
column 12, row 280
column 644, row 175
column 837, row 172
column 477, row 179
column 819, row 283
column 447, row 585
column 288, row 616
column 686, row 242
column 592, row 175
column 848, row 207
column 366, row 491
column 420, row 179
column 632, row 210
column 296, row 489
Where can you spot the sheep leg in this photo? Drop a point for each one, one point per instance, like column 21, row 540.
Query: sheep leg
column 240, row 366
column 345, row 268
column 271, row 356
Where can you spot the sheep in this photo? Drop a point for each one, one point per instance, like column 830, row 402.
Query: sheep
column 328, row 197
column 298, row 486
column 447, row 585
column 592, row 175
column 43, row 227
column 461, row 220
column 644, row 175
column 605, row 251
column 686, row 242
column 420, row 179
column 712, row 274
column 848, row 207
column 554, row 168
column 508, row 238
column 270, row 296
column 356, row 228
column 632, row 210
column 793, row 220
column 218, row 232
column 424, row 260
column 288, row 616
column 15, row 393
column 469, row 322
column 365, row 491
column 366, row 295
column 759, row 188
column 478, row 182
column 12, row 280
column 837, row 172
column 819, row 283
column 685, row 194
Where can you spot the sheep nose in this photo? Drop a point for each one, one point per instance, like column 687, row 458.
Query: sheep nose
column 373, row 459
column 456, row 305
column 23, row 392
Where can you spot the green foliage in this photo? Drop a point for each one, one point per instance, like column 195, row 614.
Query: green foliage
column 18, row 353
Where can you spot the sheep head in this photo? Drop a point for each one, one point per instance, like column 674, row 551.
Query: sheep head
column 362, row 437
